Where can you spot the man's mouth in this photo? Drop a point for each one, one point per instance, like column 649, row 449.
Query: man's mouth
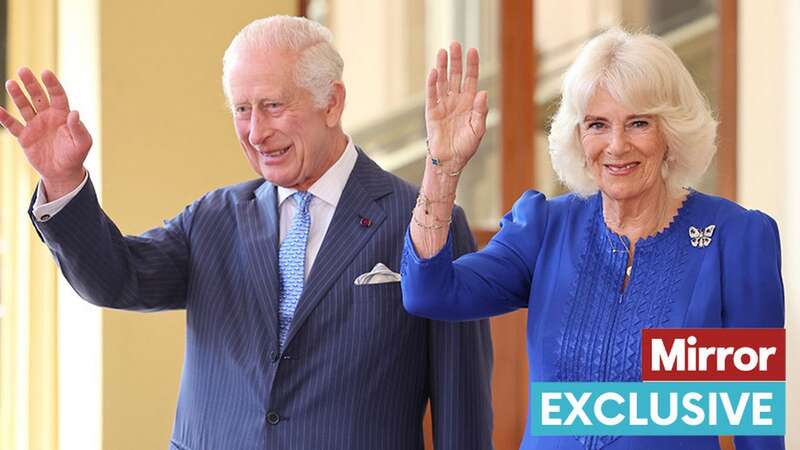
column 274, row 153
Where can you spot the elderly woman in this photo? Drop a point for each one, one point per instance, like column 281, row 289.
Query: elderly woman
column 632, row 247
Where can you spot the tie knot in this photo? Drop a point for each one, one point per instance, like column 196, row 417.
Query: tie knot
column 302, row 199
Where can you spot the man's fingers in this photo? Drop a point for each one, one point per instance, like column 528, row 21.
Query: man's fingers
column 35, row 91
column 441, row 73
column 58, row 97
column 10, row 123
column 80, row 134
column 20, row 100
column 471, row 76
column 455, row 67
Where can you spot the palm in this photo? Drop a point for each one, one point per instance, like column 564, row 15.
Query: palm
column 455, row 115
column 48, row 144
column 53, row 138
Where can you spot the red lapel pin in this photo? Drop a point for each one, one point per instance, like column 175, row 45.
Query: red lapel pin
column 366, row 222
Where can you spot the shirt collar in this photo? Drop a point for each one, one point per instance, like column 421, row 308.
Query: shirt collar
column 331, row 184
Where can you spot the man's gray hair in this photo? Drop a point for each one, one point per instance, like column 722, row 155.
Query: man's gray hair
column 318, row 64
column 642, row 73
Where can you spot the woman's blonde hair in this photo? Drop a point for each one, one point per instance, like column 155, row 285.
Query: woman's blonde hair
column 642, row 73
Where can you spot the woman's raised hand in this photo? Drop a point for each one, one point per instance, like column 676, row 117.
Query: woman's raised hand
column 455, row 111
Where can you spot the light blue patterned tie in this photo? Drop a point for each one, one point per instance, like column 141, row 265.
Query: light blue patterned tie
column 292, row 263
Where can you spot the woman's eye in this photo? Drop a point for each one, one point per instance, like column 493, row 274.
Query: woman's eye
column 595, row 126
column 640, row 124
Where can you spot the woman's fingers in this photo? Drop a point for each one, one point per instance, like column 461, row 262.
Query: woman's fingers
column 431, row 95
column 471, row 76
column 20, row 100
column 441, row 74
column 454, row 84
column 35, row 91
column 480, row 109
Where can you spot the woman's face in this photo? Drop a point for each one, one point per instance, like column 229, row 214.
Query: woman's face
column 624, row 150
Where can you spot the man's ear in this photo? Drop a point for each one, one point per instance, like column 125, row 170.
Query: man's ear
column 335, row 106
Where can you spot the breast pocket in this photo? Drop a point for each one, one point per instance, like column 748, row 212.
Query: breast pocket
column 383, row 293
column 377, row 316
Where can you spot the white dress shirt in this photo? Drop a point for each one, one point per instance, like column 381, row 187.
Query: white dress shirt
column 326, row 191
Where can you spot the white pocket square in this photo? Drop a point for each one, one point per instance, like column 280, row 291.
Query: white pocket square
column 379, row 274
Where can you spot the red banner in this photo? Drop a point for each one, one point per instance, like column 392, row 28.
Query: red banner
column 714, row 354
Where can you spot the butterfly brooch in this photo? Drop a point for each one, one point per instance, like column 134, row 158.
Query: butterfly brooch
column 701, row 238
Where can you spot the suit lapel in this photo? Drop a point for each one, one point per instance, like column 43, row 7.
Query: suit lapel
column 257, row 215
column 346, row 235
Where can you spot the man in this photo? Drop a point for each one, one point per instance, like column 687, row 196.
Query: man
column 296, row 334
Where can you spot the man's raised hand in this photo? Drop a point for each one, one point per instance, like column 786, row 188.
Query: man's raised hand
column 54, row 139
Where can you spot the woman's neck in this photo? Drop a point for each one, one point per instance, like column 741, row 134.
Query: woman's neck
column 642, row 216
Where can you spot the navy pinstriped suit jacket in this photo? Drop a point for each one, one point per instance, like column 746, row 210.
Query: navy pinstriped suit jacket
column 357, row 369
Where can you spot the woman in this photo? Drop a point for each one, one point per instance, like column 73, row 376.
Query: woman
column 630, row 248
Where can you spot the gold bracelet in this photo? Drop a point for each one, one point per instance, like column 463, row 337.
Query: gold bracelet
column 435, row 226
column 424, row 201
column 437, row 219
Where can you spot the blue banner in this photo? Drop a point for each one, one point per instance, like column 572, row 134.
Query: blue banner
column 658, row 408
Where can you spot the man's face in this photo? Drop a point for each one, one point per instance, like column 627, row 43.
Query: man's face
column 285, row 137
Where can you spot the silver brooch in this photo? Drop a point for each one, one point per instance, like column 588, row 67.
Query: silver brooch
column 699, row 238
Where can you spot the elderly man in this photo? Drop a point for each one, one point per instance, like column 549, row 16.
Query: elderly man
column 296, row 333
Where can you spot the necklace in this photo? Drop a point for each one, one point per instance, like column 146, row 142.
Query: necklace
column 614, row 249
column 629, row 259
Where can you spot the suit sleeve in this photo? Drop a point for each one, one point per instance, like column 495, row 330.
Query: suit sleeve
column 752, row 288
column 147, row 272
column 460, row 371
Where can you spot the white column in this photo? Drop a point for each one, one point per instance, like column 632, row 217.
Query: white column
column 791, row 223
column 80, row 337
column 768, row 159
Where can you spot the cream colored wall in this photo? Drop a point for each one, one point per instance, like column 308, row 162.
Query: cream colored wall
column 768, row 162
column 166, row 139
column 381, row 44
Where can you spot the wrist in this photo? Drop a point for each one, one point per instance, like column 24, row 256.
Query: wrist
column 56, row 188
column 443, row 173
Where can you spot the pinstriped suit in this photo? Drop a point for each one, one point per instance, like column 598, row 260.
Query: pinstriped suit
column 357, row 369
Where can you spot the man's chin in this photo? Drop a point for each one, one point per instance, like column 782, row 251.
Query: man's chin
column 278, row 179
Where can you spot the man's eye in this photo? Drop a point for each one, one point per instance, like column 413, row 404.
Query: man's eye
column 240, row 109
column 273, row 105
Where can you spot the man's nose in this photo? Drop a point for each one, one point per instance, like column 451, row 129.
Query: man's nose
column 260, row 128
